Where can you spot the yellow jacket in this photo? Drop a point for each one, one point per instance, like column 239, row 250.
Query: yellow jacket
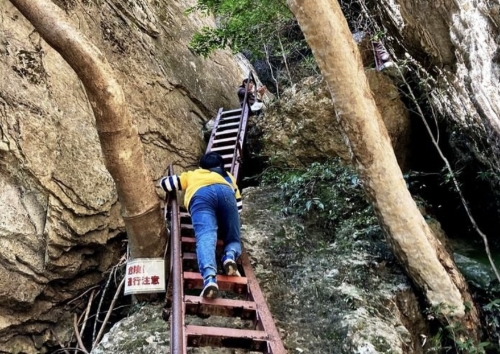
column 191, row 181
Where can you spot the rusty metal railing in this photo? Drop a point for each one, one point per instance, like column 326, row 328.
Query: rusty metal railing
column 175, row 285
column 240, row 137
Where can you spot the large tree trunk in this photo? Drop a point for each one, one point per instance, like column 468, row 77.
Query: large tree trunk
column 425, row 259
column 121, row 146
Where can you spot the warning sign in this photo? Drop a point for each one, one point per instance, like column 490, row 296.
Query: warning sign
column 145, row 275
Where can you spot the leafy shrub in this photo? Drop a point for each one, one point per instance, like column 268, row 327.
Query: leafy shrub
column 265, row 31
column 242, row 25
column 325, row 194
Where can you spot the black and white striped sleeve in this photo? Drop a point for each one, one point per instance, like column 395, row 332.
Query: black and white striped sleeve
column 171, row 183
column 239, row 203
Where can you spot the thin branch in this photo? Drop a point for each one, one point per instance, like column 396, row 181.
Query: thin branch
column 111, row 276
column 285, row 61
column 87, row 311
column 64, row 350
column 77, row 334
column 99, row 307
column 101, row 331
column 119, row 307
column 79, row 296
column 272, row 71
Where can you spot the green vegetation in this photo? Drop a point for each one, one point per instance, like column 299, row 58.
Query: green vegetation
column 243, row 25
column 491, row 319
column 324, row 194
column 134, row 344
column 335, row 218
column 263, row 30
column 329, row 260
column 453, row 337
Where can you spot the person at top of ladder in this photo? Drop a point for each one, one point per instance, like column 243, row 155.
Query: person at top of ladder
column 382, row 57
column 214, row 202
column 253, row 101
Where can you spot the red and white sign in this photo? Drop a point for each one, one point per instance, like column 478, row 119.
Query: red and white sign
column 145, row 275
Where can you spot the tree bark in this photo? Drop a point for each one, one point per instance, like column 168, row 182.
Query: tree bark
column 120, row 142
column 423, row 256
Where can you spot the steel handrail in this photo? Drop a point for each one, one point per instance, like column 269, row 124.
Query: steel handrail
column 243, row 123
column 178, row 344
column 214, row 130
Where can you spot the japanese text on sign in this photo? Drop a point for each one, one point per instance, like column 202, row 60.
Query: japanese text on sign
column 145, row 275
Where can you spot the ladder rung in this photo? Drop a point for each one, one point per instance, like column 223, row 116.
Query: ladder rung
column 229, row 156
column 189, row 261
column 226, row 283
column 189, row 256
column 220, row 307
column 192, row 240
column 224, row 132
column 227, row 166
column 187, row 226
column 225, row 125
column 202, row 336
column 222, row 148
column 231, row 118
column 225, row 122
column 189, row 244
column 227, row 146
column 218, row 141
column 231, row 111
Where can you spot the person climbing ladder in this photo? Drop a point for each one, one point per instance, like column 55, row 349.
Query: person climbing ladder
column 214, row 202
column 254, row 96
column 382, row 58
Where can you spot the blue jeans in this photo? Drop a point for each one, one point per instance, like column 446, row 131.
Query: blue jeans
column 214, row 207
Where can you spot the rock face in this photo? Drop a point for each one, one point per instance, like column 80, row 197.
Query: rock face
column 458, row 44
column 340, row 294
column 60, row 224
column 143, row 332
column 302, row 127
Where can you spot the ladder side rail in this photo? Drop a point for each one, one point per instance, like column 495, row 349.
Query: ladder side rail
column 240, row 137
column 238, row 155
column 167, row 217
column 237, row 160
column 167, row 254
column 238, row 149
column 275, row 345
column 268, row 339
column 214, row 130
column 177, row 340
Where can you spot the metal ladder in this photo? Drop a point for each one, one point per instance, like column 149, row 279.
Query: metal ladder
column 244, row 297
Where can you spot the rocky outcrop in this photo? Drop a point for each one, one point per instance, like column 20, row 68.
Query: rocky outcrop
column 341, row 290
column 142, row 332
column 302, row 126
column 60, row 225
column 456, row 44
